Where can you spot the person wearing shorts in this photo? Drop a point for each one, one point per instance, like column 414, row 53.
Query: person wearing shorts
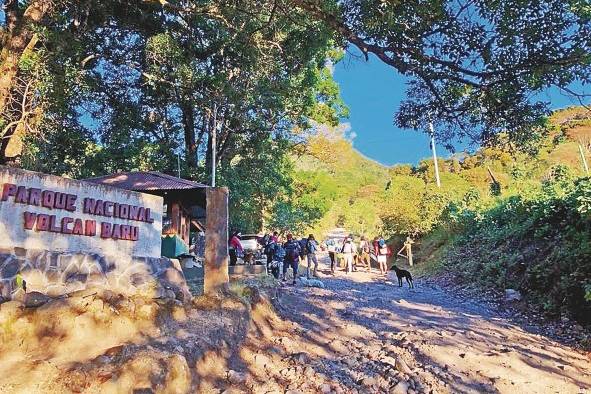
column 381, row 251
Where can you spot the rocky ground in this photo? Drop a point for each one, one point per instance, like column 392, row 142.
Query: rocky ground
column 361, row 333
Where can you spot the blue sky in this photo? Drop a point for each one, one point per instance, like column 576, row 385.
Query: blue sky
column 373, row 91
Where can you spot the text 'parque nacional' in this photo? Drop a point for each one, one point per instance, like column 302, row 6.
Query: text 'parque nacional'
column 76, row 226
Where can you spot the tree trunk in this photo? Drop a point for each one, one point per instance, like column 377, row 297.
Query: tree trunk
column 19, row 39
column 189, row 129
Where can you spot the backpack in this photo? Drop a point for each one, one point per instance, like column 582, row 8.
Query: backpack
column 278, row 252
column 303, row 247
column 291, row 251
column 269, row 248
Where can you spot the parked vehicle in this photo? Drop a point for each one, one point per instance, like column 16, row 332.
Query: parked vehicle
column 253, row 250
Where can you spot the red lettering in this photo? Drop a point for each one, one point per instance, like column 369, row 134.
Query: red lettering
column 133, row 212
column 34, row 196
column 60, row 200
column 30, row 218
column 108, row 208
column 52, row 227
column 89, row 206
column 22, row 196
column 100, row 208
column 134, row 233
column 8, row 190
column 42, row 222
column 105, row 230
column 70, row 202
column 90, row 228
column 116, row 232
column 48, row 198
column 77, row 230
column 125, row 232
column 140, row 214
column 65, row 222
column 124, row 211
column 148, row 217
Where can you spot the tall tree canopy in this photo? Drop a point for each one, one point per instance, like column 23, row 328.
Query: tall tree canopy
column 475, row 65
column 136, row 82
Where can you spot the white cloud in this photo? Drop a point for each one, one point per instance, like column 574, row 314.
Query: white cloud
column 330, row 65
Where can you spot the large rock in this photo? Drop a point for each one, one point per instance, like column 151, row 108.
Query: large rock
column 512, row 295
column 400, row 388
column 35, row 299
column 402, row 366
column 178, row 378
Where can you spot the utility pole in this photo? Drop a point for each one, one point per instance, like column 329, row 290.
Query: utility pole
column 178, row 164
column 213, row 144
column 585, row 166
column 434, row 154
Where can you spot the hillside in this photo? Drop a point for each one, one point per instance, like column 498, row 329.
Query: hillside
column 501, row 218
column 354, row 187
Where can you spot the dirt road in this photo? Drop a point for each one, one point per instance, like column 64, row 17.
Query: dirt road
column 360, row 324
column 360, row 334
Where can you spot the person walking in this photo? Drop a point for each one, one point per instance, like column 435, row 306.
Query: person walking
column 382, row 252
column 364, row 251
column 347, row 251
column 270, row 251
column 277, row 258
column 292, row 257
column 355, row 255
column 311, row 248
column 235, row 248
column 332, row 251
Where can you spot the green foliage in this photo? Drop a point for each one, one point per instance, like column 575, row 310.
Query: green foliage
column 539, row 244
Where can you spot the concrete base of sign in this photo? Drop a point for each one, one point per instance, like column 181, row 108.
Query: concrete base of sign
column 57, row 273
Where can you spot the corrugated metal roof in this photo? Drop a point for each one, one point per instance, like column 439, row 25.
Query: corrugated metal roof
column 146, row 180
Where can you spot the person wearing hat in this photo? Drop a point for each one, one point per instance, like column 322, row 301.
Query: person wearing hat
column 347, row 252
column 311, row 248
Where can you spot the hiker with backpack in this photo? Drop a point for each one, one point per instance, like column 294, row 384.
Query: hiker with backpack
column 310, row 249
column 347, row 251
column 364, row 251
column 275, row 257
column 292, row 257
column 382, row 251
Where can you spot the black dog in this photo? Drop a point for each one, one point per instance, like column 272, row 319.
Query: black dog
column 403, row 274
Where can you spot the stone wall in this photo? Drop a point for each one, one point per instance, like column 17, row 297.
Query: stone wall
column 58, row 273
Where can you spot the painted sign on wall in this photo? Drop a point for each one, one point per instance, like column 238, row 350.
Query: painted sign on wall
column 39, row 211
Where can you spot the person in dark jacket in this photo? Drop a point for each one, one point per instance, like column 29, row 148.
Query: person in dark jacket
column 292, row 257
column 311, row 248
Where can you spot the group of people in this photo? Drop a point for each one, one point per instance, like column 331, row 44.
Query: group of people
column 283, row 255
column 359, row 254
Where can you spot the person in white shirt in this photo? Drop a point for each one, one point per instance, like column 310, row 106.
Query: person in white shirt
column 348, row 251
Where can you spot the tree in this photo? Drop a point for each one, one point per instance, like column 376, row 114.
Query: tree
column 474, row 65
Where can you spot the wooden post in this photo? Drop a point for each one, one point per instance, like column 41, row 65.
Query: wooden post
column 408, row 248
column 216, row 241
column 174, row 218
column 585, row 167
